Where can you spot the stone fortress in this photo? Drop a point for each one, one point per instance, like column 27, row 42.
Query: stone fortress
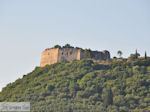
column 68, row 53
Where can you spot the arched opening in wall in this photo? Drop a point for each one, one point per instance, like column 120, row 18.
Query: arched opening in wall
column 62, row 53
column 70, row 53
column 67, row 53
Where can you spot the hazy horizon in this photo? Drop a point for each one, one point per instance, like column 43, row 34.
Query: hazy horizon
column 28, row 27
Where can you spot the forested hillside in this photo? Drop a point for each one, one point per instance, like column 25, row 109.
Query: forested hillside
column 84, row 86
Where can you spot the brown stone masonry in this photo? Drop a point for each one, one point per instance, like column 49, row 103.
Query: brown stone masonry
column 54, row 55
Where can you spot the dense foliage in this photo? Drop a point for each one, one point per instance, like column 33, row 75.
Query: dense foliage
column 84, row 86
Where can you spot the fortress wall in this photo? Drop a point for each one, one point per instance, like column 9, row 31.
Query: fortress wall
column 54, row 55
column 49, row 56
column 97, row 55
column 84, row 54
column 69, row 54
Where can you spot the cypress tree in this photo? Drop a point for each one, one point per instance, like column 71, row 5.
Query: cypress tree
column 145, row 55
column 107, row 97
column 136, row 54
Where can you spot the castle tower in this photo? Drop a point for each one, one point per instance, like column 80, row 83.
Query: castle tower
column 49, row 56
column 55, row 55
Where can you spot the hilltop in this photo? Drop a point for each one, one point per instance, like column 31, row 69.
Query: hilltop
column 84, row 86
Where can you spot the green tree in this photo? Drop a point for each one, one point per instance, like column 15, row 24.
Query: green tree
column 136, row 54
column 119, row 53
column 50, row 88
column 145, row 55
column 57, row 46
column 68, row 46
column 107, row 97
column 73, row 87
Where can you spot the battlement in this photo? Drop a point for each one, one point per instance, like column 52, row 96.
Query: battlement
column 54, row 55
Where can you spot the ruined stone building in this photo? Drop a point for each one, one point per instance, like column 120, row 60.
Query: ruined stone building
column 54, row 55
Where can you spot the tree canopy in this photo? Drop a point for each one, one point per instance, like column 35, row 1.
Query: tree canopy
column 84, row 86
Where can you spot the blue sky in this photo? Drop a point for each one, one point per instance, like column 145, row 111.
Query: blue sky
column 27, row 27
